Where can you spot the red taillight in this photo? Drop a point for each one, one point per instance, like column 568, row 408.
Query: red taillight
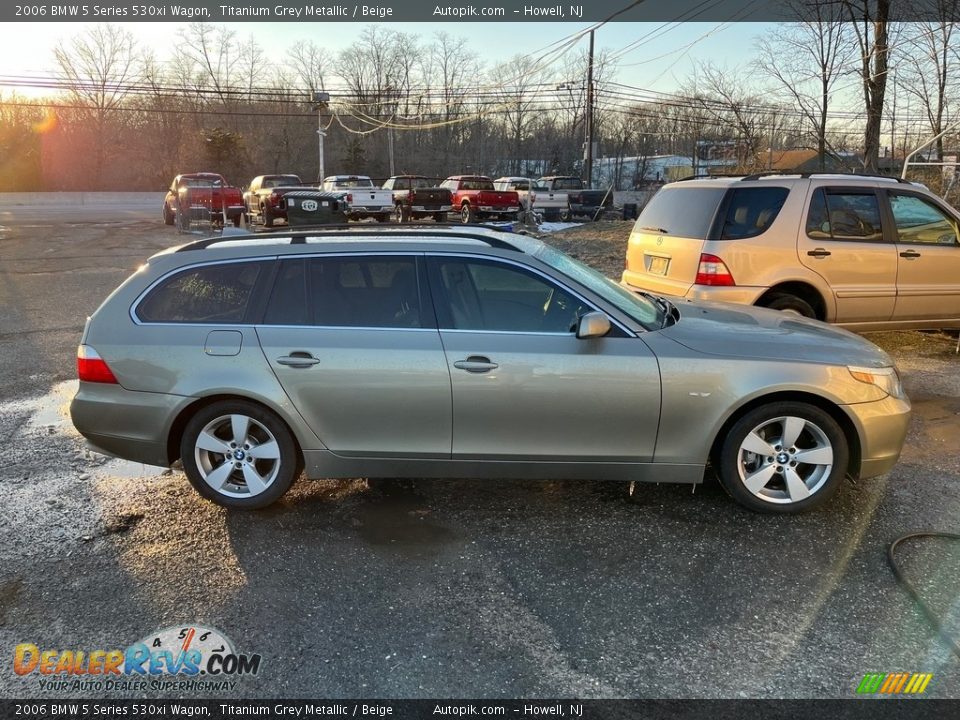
column 713, row 271
column 349, row 198
column 92, row 368
column 275, row 199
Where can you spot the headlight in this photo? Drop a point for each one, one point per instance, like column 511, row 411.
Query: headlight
column 884, row 378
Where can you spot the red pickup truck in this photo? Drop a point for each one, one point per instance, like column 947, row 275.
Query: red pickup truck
column 203, row 196
column 474, row 197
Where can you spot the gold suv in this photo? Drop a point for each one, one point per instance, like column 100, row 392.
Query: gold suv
column 864, row 252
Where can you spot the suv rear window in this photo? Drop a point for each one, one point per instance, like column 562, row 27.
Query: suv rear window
column 681, row 211
column 215, row 294
column 751, row 211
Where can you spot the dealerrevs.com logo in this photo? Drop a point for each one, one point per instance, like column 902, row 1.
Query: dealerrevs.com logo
column 191, row 658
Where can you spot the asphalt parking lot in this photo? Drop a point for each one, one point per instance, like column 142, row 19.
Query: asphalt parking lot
column 450, row 588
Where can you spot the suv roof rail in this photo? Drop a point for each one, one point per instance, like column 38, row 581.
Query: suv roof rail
column 299, row 235
column 774, row 173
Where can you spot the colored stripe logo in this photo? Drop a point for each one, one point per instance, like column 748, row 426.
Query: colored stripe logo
column 894, row 683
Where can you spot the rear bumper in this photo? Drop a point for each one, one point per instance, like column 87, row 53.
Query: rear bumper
column 739, row 294
column 124, row 423
column 882, row 426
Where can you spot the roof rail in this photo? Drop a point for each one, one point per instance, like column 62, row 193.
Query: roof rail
column 298, row 235
column 775, row 173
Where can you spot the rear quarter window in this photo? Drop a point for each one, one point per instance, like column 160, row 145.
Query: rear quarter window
column 681, row 211
column 212, row 294
column 751, row 211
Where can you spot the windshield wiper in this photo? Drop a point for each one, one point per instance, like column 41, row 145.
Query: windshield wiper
column 662, row 231
column 665, row 306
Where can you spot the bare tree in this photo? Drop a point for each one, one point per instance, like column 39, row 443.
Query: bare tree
column 310, row 65
column 930, row 62
column 871, row 31
column 98, row 67
column 806, row 59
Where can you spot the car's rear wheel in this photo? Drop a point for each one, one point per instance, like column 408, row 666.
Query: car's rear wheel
column 239, row 455
column 467, row 215
column 786, row 457
column 266, row 216
column 168, row 216
column 786, row 302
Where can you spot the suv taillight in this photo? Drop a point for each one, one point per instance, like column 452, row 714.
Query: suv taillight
column 93, row 368
column 713, row 271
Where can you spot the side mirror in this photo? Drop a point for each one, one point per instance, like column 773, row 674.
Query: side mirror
column 593, row 325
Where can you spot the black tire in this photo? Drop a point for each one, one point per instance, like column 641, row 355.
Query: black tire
column 565, row 216
column 401, row 213
column 785, row 302
column 264, row 427
column 266, row 216
column 821, row 477
column 440, row 217
column 467, row 214
column 168, row 215
column 236, row 220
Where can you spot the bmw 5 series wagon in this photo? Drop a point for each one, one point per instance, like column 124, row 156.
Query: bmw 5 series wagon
column 467, row 352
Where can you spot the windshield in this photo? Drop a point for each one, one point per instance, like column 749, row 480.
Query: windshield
column 636, row 306
column 281, row 180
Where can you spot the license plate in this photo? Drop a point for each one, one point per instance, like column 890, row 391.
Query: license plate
column 658, row 265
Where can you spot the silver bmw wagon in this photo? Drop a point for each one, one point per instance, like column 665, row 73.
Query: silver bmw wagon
column 467, row 352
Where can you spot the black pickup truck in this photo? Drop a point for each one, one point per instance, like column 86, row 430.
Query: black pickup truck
column 415, row 197
column 582, row 200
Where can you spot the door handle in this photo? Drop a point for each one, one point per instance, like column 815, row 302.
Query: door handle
column 819, row 252
column 909, row 254
column 476, row 364
column 298, row 360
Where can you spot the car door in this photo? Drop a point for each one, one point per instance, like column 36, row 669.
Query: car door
column 524, row 386
column 843, row 241
column 347, row 337
column 928, row 250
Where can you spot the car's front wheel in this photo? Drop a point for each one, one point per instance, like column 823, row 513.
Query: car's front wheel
column 786, row 457
column 239, row 455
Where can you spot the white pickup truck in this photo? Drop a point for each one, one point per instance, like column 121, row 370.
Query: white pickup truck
column 537, row 197
column 363, row 197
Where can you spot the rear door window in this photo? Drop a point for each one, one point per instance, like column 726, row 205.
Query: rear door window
column 212, row 294
column 841, row 214
column 751, row 211
column 686, row 212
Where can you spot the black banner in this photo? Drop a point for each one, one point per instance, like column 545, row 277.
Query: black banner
column 892, row 709
column 582, row 11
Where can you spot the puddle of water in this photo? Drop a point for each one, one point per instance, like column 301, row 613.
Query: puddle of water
column 50, row 410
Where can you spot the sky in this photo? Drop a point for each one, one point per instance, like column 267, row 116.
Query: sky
column 666, row 54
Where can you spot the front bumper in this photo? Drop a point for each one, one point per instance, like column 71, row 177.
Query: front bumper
column 882, row 426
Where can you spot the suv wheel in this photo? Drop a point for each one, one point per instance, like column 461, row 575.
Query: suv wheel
column 239, row 455
column 786, row 457
column 791, row 304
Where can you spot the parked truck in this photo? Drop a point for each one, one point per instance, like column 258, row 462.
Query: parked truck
column 583, row 201
column 416, row 197
column 363, row 197
column 263, row 199
column 202, row 196
column 536, row 197
column 475, row 198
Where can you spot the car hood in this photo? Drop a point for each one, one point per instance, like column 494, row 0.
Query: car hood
column 742, row 331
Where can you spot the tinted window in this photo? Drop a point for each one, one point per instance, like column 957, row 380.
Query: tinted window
column 920, row 221
column 844, row 215
column 364, row 292
column 752, row 211
column 288, row 301
column 681, row 212
column 209, row 294
column 484, row 295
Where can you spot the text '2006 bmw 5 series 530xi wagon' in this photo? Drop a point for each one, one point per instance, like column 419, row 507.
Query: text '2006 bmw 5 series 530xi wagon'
column 468, row 352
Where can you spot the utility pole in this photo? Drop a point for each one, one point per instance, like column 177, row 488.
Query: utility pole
column 321, row 100
column 588, row 156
